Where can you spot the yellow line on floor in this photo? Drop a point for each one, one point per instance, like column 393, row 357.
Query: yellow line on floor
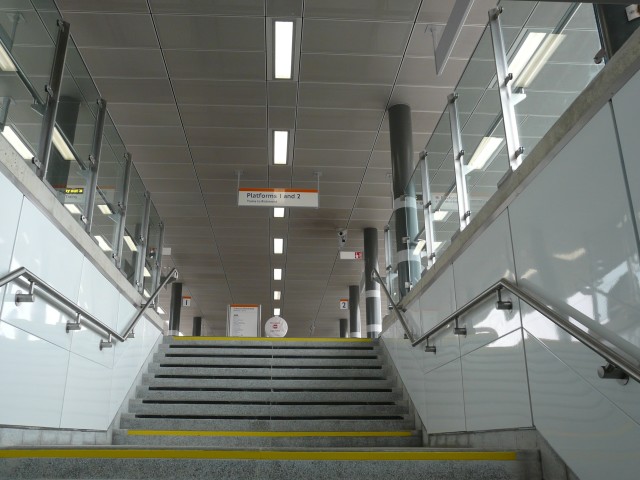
column 260, row 455
column 265, row 339
column 227, row 433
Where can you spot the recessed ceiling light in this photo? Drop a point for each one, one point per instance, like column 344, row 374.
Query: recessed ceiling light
column 283, row 58
column 6, row 64
column 278, row 245
column 278, row 212
column 440, row 215
column 161, row 311
column 146, row 293
column 130, row 243
column 277, row 294
column 276, row 312
column 436, row 245
column 61, row 145
column 16, row 142
column 146, row 272
column 105, row 209
column 277, row 274
column 102, row 244
column 539, row 59
column 280, row 147
column 485, row 151
column 419, row 247
column 72, row 208
column 525, row 52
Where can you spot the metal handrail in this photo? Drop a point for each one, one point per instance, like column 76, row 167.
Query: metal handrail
column 35, row 281
column 620, row 359
column 375, row 273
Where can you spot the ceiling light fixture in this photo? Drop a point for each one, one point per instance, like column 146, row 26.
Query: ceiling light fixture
column 6, row 63
column 146, row 293
column 16, row 142
column 525, row 53
column 283, row 58
column 277, row 294
column 280, row 147
column 61, row 145
column 440, row 215
column 436, row 245
column 276, row 312
column 278, row 245
column 105, row 209
column 146, row 272
column 161, row 311
column 539, row 59
column 73, row 209
column 277, row 274
column 419, row 247
column 278, row 212
column 130, row 243
column 102, row 244
column 485, row 152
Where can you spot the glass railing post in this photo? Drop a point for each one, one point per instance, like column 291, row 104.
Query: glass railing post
column 122, row 206
column 143, row 243
column 94, row 160
column 514, row 147
column 157, row 266
column 427, row 210
column 464, row 212
column 51, row 103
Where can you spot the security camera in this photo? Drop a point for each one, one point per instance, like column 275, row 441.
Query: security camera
column 342, row 237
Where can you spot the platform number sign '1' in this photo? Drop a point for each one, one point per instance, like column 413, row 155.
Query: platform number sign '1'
column 344, row 304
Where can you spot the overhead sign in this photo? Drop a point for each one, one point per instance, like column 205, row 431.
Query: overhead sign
column 243, row 320
column 276, row 327
column 186, row 301
column 344, row 304
column 351, row 255
column 277, row 197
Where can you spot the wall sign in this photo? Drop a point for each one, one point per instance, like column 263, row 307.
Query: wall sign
column 351, row 255
column 276, row 327
column 243, row 320
column 344, row 304
column 186, row 301
column 277, row 197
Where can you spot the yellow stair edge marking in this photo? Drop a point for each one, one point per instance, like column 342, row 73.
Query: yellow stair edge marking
column 260, row 455
column 269, row 339
column 228, row 433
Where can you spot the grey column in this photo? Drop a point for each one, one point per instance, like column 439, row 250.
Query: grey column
column 404, row 197
column 197, row 326
column 175, row 307
column 613, row 27
column 354, row 311
column 371, row 288
column 344, row 328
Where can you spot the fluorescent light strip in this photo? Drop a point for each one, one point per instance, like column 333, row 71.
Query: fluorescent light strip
column 278, row 212
column 419, row 247
column 102, row 244
column 277, row 294
column 276, row 312
column 105, row 209
column 283, row 50
column 130, row 243
column 6, row 64
column 280, row 147
column 12, row 137
column 146, row 272
column 277, row 274
column 278, row 245
column 541, row 57
column 436, row 245
column 440, row 215
column 485, row 151
column 525, row 53
column 73, row 209
column 161, row 311
column 61, row 145
column 146, row 293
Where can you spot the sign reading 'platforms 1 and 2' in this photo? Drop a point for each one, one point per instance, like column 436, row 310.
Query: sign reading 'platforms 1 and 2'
column 277, row 197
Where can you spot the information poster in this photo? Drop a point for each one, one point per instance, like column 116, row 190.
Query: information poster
column 243, row 320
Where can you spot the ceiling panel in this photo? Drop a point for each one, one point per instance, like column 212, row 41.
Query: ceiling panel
column 144, row 114
column 158, row 155
column 399, row 10
column 360, row 69
column 217, row 92
column 223, row 116
column 208, row 7
column 124, row 62
column 322, row 95
column 215, row 65
column 339, row 119
column 112, row 30
column 135, row 90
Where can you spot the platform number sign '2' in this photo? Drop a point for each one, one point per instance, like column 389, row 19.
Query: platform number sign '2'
column 344, row 304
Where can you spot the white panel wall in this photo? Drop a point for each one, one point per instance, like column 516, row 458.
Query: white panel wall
column 52, row 378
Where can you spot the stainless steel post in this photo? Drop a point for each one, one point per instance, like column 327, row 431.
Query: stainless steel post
column 122, row 207
column 464, row 212
column 427, row 210
column 94, row 160
column 143, row 243
column 372, row 288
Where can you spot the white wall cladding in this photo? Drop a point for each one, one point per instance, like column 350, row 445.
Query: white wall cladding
column 574, row 244
column 51, row 378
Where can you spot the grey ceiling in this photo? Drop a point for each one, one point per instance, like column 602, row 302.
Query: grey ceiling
column 186, row 85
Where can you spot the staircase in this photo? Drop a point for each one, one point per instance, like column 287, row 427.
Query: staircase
column 269, row 408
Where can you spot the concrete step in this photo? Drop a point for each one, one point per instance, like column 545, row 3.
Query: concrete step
column 311, row 343
column 268, row 372
column 274, row 397
column 163, row 360
column 404, row 439
column 279, row 351
column 217, row 410
column 269, row 384
column 129, row 421
column 365, row 464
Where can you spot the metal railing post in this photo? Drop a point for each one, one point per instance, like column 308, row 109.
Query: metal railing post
column 122, row 207
column 427, row 210
column 514, row 147
column 94, row 160
column 143, row 243
column 51, row 103
column 157, row 267
column 464, row 212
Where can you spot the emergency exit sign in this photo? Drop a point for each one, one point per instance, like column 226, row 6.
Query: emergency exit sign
column 351, row 255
